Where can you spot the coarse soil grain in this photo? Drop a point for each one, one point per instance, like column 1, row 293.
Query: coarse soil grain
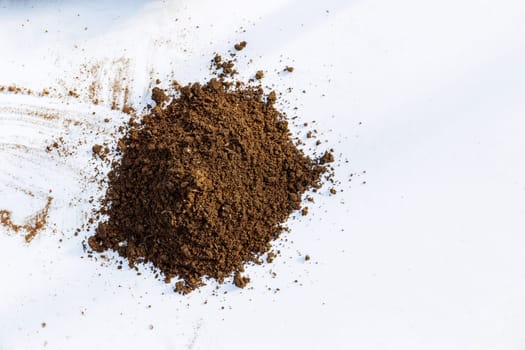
column 206, row 181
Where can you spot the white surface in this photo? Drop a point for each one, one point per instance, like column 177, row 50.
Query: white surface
column 429, row 254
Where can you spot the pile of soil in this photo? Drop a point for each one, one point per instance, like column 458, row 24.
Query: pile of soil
column 206, row 181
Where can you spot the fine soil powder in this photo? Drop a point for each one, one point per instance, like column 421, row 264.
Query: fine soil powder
column 206, row 182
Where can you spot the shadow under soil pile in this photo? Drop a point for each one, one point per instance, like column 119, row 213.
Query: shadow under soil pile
column 205, row 183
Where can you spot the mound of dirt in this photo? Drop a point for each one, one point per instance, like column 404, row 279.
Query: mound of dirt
column 206, row 182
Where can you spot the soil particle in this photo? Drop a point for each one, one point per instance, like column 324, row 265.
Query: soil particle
column 304, row 211
column 259, row 75
column 96, row 149
column 223, row 69
column 240, row 281
column 289, row 69
column 100, row 151
column 73, row 93
column 240, row 45
column 328, row 157
column 158, row 96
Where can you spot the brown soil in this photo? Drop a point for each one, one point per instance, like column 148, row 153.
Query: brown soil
column 32, row 225
column 240, row 45
column 239, row 280
column 100, row 151
column 206, row 182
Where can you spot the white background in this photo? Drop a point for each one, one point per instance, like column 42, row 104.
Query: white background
column 427, row 97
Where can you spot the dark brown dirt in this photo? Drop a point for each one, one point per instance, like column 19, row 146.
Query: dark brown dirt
column 223, row 68
column 100, row 151
column 158, row 96
column 206, row 182
column 328, row 157
column 240, row 45
column 239, row 280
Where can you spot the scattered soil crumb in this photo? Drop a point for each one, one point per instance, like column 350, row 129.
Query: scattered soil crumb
column 32, row 225
column 240, row 281
column 304, row 211
column 240, row 45
column 328, row 157
column 100, row 151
